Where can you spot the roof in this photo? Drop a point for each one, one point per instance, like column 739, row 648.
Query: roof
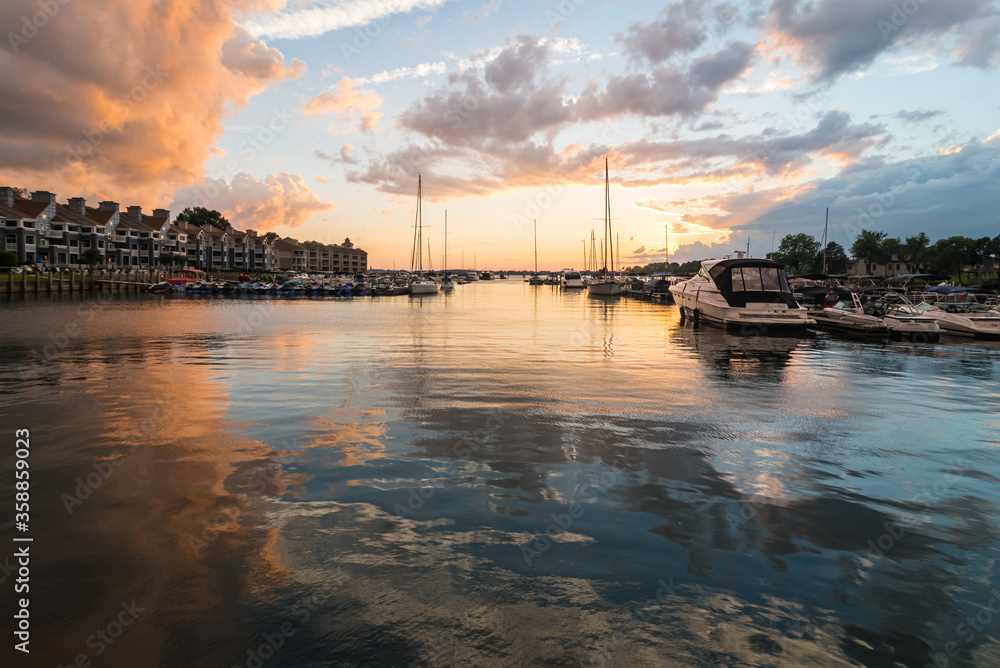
column 74, row 216
column 25, row 208
column 288, row 244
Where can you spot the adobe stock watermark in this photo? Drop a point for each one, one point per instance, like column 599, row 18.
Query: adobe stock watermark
column 120, row 109
column 363, row 37
column 249, row 148
column 899, row 17
column 32, row 24
column 562, row 11
column 101, row 639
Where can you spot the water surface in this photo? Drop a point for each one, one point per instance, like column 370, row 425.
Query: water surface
column 507, row 475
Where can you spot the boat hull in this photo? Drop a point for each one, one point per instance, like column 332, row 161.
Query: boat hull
column 605, row 288
column 424, row 288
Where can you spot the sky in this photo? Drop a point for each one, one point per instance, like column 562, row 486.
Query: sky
column 723, row 123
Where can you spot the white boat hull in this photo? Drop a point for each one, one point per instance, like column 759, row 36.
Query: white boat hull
column 711, row 307
column 605, row 288
column 424, row 288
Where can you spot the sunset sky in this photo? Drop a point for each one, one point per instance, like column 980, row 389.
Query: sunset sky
column 723, row 120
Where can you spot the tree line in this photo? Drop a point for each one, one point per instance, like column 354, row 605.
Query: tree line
column 801, row 253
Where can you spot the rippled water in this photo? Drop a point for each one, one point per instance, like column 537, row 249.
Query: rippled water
column 506, row 475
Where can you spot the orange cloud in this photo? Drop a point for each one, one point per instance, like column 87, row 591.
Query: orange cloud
column 248, row 203
column 123, row 99
column 345, row 102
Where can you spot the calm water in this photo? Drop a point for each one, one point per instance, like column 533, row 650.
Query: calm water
column 507, row 475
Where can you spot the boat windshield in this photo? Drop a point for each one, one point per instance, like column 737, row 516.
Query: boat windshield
column 744, row 281
column 572, row 275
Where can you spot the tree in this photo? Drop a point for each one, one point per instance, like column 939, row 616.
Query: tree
column 272, row 236
column 796, row 251
column 867, row 246
column 8, row 259
column 201, row 216
column 914, row 251
column 949, row 256
column 91, row 257
column 836, row 260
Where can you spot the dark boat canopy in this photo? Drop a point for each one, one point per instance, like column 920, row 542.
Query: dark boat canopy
column 948, row 289
column 747, row 280
column 918, row 277
column 810, row 277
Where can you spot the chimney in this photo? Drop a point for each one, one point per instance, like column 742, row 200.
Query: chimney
column 7, row 196
column 161, row 213
column 135, row 212
column 43, row 196
column 77, row 205
column 108, row 206
column 252, row 233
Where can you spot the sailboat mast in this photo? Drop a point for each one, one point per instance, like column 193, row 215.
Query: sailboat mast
column 445, row 261
column 825, row 241
column 536, row 244
column 415, row 255
column 666, row 246
column 610, row 257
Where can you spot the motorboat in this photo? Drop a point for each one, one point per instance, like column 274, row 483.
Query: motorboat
column 486, row 276
column 472, row 276
column 535, row 279
column 658, row 287
column 850, row 316
column 962, row 313
column 572, row 280
column 741, row 293
column 905, row 321
column 185, row 276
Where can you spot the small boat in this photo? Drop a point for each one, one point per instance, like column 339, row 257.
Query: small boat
column 486, row 276
column 854, row 318
column 961, row 312
column 471, row 276
column 572, row 280
column 606, row 284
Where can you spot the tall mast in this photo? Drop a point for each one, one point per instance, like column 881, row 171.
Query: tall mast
column 585, row 254
column 430, row 260
column 536, row 245
column 416, row 255
column 610, row 251
column 445, row 261
column 666, row 246
column 825, row 242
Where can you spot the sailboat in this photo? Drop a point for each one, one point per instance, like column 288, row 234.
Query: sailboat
column 420, row 284
column 606, row 284
column 447, row 283
column 535, row 279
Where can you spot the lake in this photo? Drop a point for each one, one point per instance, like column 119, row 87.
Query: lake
column 508, row 475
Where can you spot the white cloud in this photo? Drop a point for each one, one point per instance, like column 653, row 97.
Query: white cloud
column 329, row 16
column 417, row 72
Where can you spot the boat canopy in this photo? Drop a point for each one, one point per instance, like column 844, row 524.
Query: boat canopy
column 810, row 277
column 918, row 277
column 948, row 289
column 743, row 281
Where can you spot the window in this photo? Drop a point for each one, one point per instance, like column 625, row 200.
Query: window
column 29, row 224
column 29, row 239
column 172, row 237
column 85, row 243
column 12, row 238
column 156, row 247
column 74, row 243
column 74, row 228
column 100, row 230
column 100, row 244
column 57, row 227
column 87, row 230
column 10, row 223
column 134, row 247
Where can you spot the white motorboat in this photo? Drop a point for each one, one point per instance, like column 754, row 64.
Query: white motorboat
column 962, row 315
column 905, row 321
column 420, row 284
column 471, row 276
column 747, row 293
column 572, row 280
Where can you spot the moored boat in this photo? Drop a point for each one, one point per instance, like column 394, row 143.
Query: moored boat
column 743, row 293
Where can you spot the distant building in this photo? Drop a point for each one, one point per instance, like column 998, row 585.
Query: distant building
column 41, row 231
column 883, row 265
